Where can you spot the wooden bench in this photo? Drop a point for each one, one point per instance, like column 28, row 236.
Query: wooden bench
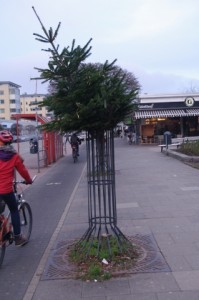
column 169, row 145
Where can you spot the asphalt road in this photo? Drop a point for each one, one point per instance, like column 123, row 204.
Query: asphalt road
column 48, row 197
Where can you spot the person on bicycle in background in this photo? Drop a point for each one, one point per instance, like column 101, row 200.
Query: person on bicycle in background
column 74, row 140
column 9, row 161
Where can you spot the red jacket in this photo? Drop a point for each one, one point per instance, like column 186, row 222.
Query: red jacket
column 7, row 172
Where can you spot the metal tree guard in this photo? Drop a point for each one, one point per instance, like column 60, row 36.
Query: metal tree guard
column 102, row 214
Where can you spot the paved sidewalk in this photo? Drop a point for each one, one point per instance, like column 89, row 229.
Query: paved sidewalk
column 157, row 201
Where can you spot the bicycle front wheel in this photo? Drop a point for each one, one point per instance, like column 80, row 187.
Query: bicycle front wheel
column 2, row 252
column 25, row 220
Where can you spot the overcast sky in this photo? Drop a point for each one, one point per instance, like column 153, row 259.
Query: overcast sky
column 157, row 40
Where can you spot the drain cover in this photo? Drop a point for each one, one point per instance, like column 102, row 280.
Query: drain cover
column 150, row 260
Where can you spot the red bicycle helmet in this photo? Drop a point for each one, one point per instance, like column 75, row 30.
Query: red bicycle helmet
column 6, row 136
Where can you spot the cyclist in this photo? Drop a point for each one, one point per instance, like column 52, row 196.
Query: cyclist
column 74, row 140
column 9, row 161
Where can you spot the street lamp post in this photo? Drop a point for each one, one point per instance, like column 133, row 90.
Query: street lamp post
column 37, row 131
column 37, row 136
column 17, row 132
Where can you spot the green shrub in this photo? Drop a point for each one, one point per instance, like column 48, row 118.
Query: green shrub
column 88, row 256
column 190, row 148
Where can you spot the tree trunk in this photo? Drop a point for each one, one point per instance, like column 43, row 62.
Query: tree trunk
column 102, row 214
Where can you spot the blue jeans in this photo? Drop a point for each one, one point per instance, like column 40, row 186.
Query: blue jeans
column 11, row 202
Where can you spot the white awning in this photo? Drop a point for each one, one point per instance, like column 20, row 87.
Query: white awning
column 166, row 113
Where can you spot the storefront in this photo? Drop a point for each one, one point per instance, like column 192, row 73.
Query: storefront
column 157, row 114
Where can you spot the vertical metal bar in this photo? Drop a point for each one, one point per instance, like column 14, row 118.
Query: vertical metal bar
column 101, row 191
column 37, row 137
column 88, row 179
column 93, row 174
column 17, row 132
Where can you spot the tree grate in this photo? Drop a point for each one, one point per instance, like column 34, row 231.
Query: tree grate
column 151, row 259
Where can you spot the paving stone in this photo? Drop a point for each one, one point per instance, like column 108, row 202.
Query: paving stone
column 94, row 298
column 178, row 296
column 111, row 287
column 178, row 263
column 187, row 280
column 193, row 261
column 153, row 282
column 142, row 296
column 180, row 237
column 127, row 205
column 163, row 239
column 179, row 249
column 58, row 289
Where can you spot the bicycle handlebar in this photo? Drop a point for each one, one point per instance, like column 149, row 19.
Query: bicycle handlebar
column 23, row 181
column 34, row 178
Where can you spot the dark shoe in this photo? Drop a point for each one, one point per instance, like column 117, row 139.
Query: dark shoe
column 20, row 240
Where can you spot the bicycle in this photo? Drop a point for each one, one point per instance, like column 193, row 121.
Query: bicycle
column 6, row 229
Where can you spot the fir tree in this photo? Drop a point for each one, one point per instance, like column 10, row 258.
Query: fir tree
column 94, row 97
column 84, row 96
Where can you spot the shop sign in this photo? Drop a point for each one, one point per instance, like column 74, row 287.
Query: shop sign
column 145, row 106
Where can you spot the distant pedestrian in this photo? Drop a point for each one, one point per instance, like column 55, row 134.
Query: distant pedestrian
column 134, row 137
column 66, row 138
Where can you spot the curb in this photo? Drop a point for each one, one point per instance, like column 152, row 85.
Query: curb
column 181, row 156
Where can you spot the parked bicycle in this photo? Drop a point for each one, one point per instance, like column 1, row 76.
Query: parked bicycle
column 6, row 230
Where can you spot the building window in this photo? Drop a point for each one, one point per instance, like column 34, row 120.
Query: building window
column 36, row 109
column 12, row 91
column 1, row 101
column 33, row 102
column 13, row 110
column 1, row 92
column 2, row 110
column 12, row 101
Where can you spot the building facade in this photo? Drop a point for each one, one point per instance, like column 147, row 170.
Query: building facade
column 9, row 99
column 30, row 105
column 156, row 114
column 11, row 102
